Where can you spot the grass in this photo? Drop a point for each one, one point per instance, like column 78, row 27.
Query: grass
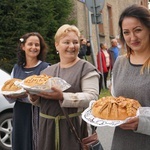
column 104, row 93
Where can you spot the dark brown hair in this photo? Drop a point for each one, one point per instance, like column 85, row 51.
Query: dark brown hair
column 143, row 15
column 21, row 53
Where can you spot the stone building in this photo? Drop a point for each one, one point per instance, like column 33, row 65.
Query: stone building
column 106, row 30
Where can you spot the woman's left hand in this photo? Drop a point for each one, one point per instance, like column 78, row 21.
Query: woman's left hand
column 56, row 94
column 131, row 124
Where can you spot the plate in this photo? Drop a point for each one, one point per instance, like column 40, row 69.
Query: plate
column 89, row 118
column 14, row 93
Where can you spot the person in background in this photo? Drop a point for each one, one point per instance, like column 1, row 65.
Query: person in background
column 88, row 44
column 131, row 77
column 113, row 51
column 84, row 80
column 31, row 55
column 85, row 49
column 105, row 60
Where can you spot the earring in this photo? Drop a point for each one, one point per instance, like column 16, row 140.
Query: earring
column 57, row 52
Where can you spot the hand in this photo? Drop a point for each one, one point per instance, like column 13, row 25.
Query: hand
column 55, row 94
column 33, row 97
column 131, row 124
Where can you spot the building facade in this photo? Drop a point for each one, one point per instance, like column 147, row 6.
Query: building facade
column 108, row 28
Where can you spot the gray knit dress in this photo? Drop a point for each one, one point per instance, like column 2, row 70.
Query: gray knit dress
column 128, row 82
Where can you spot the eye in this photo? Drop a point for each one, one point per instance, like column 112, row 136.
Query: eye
column 138, row 30
column 37, row 44
column 125, row 32
column 30, row 44
column 76, row 42
column 66, row 42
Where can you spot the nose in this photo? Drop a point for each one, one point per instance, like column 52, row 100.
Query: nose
column 33, row 46
column 71, row 44
column 133, row 36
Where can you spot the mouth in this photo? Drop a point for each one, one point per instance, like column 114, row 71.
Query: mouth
column 135, row 44
column 71, row 52
column 33, row 51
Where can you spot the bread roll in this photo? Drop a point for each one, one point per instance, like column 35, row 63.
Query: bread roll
column 111, row 108
column 10, row 86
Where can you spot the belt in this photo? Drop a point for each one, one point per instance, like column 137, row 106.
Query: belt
column 57, row 118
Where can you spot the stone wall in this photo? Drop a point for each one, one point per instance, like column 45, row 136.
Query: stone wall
column 82, row 15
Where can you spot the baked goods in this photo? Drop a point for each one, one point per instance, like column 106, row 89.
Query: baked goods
column 36, row 80
column 112, row 108
column 10, row 86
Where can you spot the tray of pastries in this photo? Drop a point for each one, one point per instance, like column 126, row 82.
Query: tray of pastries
column 10, row 88
column 38, row 83
column 110, row 111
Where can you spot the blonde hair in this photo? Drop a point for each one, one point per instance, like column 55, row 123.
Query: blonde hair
column 64, row 29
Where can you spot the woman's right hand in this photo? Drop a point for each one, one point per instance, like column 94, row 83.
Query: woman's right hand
column 56, row 94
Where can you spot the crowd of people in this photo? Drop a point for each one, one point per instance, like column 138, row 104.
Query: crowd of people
column 106, row 59
column 38, row 120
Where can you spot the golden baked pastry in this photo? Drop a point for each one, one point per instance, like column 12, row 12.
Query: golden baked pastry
column 111, row 108
column 10, row 86
column 36, row 80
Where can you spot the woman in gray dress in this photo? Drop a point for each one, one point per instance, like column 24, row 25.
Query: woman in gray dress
column 131, row 77
column 54, row 133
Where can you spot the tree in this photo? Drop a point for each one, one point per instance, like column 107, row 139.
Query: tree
column 18, row 17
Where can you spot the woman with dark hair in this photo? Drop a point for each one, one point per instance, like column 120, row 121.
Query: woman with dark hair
column 31, row 54
column 131, row 78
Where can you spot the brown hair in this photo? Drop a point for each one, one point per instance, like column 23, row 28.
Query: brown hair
column 21, row 53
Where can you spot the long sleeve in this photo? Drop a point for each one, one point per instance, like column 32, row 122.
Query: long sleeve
column 90, row 91
column 143, row 126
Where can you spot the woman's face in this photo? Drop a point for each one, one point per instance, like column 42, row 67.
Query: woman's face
column 32, row 46
column 68, row 46
column 136, row 35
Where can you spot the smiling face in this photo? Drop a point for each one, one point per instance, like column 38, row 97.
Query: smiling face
column 136, row 35
column 32, row 47
column 68, row 46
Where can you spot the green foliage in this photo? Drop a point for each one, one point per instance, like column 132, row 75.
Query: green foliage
column 18, row 17
column 104, row 93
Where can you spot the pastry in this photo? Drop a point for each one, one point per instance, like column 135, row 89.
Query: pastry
column 36, row 80
column 10, row 86
column 112, row 108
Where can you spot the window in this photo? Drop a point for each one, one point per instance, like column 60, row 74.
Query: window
column 101, row 26
column 110, row 20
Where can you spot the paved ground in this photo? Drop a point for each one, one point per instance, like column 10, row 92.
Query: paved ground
column 105, row 135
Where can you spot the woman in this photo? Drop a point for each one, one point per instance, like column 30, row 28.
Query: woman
column 131, row 77
column 31, row 54
column 84, row 81
column 105, row 60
